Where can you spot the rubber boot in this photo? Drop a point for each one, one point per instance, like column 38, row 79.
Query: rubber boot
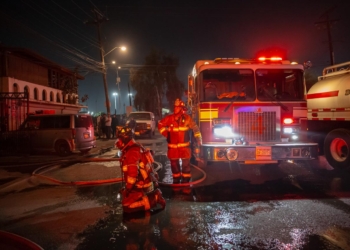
column 133, row 210
column 160, row 199
column 175, row 169
column 155, row 198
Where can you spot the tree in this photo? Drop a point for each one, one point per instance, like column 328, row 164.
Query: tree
column 84, row 98
column 154, row 80
column 310, row 79
column 68, row 85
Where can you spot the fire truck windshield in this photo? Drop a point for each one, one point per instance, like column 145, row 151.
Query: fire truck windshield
column 279, row 84
column 222, row 85
column 228, row 84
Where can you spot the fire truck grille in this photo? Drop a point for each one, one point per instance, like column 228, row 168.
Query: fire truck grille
column 257, row 126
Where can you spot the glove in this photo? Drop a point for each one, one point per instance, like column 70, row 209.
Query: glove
column 196, row 154
column 197, row 151
column 170, row 129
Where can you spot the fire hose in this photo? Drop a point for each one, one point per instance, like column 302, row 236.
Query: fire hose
column 40, row 174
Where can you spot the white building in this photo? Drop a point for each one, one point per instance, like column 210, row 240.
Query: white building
column 31, row 84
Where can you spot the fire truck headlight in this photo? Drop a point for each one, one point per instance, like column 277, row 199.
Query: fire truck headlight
column 294, row 137
column 288, row 130
column 224, row 131
column 231, row 154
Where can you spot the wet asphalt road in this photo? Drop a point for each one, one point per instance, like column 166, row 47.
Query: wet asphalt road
column 294, row 211
column 285, row 206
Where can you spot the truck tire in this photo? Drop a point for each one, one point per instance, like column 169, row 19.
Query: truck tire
column 336, row 148
column 62, row 148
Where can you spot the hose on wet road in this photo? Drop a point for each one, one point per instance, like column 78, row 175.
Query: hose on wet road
column 49, row 167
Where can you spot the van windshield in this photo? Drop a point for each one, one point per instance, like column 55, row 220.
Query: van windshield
column 83, row 121
column 140, row 116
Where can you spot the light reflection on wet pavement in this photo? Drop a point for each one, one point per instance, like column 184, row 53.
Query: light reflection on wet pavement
column 213, row 225
column 231, row 214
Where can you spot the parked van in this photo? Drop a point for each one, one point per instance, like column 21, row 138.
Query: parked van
column 61, row 133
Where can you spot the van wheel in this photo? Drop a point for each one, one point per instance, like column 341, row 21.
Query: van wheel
column 62, row 148
column 337, row 148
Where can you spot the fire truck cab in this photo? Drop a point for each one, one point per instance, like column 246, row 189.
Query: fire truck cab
column 250, row 111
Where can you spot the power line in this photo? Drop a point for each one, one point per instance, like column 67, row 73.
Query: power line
column 327, row 23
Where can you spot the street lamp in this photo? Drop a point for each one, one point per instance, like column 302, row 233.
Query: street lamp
column 103, row 54
column 122, row 48
column 115, row 102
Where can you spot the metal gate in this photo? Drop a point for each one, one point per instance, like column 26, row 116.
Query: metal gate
column 14, row 109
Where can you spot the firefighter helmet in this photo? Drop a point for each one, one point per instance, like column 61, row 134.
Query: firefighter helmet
column 179, row 103
column 125, row 134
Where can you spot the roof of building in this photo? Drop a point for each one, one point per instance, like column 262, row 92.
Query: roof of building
column 38, row 59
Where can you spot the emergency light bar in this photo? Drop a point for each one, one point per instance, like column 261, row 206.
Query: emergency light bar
column 273, row 59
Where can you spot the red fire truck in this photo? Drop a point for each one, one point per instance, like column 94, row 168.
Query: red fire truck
column 250, row 111
column 328, row 103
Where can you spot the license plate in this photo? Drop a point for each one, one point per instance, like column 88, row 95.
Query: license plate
column 86, row 135
column 137, row 133
column 263, row 151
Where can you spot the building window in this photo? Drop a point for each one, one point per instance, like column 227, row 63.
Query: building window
column 58, row 97
column 26, row 90
column 36, row 95
column 15, row 87
column 44, row 95
column 51, row 96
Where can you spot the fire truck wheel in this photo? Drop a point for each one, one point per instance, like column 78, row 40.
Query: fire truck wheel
column 336, row 148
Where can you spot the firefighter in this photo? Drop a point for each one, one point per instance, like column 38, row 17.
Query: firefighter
column 141, row 180
column 177, row 128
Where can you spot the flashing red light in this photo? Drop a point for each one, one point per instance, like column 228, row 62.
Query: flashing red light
column 287, row 120
column 274, row 58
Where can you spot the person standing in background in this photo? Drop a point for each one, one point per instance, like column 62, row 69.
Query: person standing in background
column 108, row 123
column 103, row 125
column 114, row 125
column 99, row 127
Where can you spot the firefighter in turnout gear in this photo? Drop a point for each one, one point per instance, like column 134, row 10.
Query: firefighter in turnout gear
column 178, row 128
column 141, row 192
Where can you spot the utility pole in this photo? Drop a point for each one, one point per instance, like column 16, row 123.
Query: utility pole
column 129, row 93
column 327, row 23
column 99, row 19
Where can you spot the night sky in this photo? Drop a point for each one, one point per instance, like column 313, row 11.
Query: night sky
column 190, row 30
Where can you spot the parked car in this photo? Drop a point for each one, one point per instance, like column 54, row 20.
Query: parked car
column 145, row 123
column 61, row 133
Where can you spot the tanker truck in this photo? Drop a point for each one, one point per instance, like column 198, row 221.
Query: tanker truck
column 328, row 114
